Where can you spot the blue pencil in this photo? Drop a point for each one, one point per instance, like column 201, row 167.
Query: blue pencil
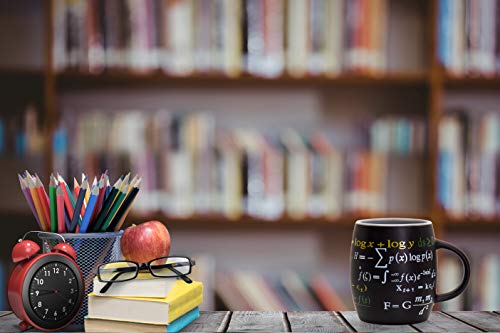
column 78, row 206
column 89, row 211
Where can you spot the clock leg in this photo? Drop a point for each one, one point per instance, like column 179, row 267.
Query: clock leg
column 23, row 326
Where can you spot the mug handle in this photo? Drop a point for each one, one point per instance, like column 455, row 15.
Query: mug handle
column 439, row 244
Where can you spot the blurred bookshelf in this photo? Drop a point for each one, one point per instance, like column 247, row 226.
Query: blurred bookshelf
column 400, row 71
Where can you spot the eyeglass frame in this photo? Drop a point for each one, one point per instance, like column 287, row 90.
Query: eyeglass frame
column 142, row 266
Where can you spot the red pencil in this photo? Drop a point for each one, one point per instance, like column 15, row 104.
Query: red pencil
column 67, row 200
column 60, row 209
column 44, row 198
column 76, row 187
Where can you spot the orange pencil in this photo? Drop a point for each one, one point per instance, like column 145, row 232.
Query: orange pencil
column 36, row 202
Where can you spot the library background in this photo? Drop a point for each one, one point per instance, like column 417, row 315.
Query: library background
column 263, row 129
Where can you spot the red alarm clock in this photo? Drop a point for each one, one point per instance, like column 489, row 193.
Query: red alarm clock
column 45, row 290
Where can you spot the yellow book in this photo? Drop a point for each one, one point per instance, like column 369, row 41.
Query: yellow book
column 161, row 311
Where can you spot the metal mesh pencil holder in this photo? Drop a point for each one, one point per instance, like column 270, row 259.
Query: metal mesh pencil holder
column 92, row 250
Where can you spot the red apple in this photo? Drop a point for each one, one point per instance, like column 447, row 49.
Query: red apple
column 145, row 242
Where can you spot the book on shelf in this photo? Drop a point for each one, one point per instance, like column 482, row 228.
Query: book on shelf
column 469, row 164
column 296, row 287
column 20, row 134
column 326, row 294
column 286, row 291
column 482, row 294
column 191, row 167
column 104, row 325
column 182, row 298
column 182, row 37
column 467, row 36
column 144, row 285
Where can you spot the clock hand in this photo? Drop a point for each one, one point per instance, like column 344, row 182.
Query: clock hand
column 43, row 292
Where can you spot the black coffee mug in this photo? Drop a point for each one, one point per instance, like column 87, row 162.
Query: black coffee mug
column 394, row 270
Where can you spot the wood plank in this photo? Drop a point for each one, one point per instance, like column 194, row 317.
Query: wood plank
column 484, row 320
column 9, row 323
column 209, row 322
column 316, row 321
column 258, row 321
column 441, row 322
column 352, row 318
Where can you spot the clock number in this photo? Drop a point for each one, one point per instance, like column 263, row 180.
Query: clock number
column 39, row 281
column 46, row 273
column 39, row 304
column 65, row 272
column 55, row 313
column 64, row 309
column 56, row 270
column 37, row 292
column 72, row 291
column 46, row 310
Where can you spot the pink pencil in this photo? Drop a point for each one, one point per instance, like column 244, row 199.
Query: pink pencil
column 61, row 228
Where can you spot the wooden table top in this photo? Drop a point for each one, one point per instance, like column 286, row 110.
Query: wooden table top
column 318, row 321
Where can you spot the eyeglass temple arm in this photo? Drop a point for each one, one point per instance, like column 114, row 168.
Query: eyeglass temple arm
column 109, row 283
column 182, row 276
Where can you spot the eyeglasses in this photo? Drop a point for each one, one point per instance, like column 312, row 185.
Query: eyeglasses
column 165, row 267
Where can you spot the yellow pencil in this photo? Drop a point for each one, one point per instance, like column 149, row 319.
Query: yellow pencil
column 37, row 203
column 124, row 182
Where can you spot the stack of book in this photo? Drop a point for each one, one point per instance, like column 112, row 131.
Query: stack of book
column 469, row 37
column 263, row 37
column 191, row 167
column 469, row 164
column 145, row 304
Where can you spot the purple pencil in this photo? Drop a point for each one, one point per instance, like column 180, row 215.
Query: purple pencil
column 27, row 195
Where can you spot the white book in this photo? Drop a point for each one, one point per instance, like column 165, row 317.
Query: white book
column 145, row 285
column 297, row 38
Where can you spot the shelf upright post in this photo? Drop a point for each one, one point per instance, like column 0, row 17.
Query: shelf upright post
column 49, row 86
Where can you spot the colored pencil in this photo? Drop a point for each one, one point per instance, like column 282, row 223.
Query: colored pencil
column 76, row 187
column 100, row 199
column 78, row 206
column 122, row 213
column 108, row 188
column 69, row 201
column 101, row 217
column 61, row 216
column 29, row 199
column 114, row 209
column 53, row 204
column 87, row 195
column 125, row 182
column 90, row 209
column 37, row 203
column 44, row 200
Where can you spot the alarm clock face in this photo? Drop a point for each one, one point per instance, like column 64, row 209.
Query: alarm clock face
column 54, row 291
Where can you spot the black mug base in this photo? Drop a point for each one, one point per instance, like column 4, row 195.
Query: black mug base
column 392, row 321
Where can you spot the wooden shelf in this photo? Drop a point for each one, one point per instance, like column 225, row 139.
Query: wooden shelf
column 7, row 73
column 117, row 78
column 451, row 81
column 203, row 222
column 472, row 224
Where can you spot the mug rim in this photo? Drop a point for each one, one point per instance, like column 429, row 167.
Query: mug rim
column 410, row 222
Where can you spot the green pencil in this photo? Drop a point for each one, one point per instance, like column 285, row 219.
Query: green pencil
column 53, row 207
column 116, row 205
